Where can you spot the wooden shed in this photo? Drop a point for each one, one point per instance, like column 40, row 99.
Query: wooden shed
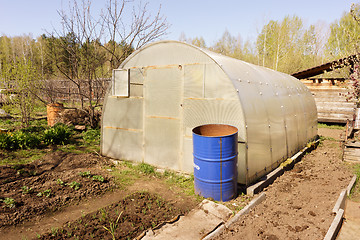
column 330, row 94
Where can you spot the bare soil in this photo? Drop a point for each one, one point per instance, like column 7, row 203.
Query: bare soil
column 299, row 204
column 48, row 204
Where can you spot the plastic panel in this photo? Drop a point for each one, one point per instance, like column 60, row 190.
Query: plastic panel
column 194, row 81
column 217, row 84
column 162, row 142
column 166, row 53
column 204, row 111
column 187, row 164
column 162, row 92
column 120, row 81
column 136, row 82
column 122, row 144
column 123, row 113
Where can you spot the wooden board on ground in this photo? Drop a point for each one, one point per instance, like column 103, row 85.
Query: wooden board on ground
column 352, row 152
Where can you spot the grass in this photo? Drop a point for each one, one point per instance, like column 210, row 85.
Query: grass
column 123, row 175
column 186, row 183
column 127, row 172
column 21, row 156
column 355, row 192
column 331, row 126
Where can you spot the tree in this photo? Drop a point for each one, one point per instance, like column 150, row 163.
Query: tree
column 344, row 38
column 228, row 45
column 143, row 28
column 22, row 77
column 88, row 47
column 278, row 44
column 287, row 46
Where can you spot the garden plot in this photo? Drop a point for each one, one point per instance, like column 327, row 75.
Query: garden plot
column 299, row 204
column 39, row 199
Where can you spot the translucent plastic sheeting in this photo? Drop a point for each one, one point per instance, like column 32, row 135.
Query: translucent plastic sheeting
column 162, row 142
column 126, row 113
column 163, row 92
column 175, row 87
column 122, row 144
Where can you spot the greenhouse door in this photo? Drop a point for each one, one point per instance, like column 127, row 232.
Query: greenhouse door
column 162, row 121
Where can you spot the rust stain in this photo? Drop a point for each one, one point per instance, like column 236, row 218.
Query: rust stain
column 126, row 129
column 162, row 66
column 162, row 117
column 207, row 99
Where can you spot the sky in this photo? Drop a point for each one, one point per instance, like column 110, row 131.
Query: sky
column 195, row 18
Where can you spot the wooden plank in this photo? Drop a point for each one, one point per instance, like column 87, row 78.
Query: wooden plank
column 354, row 157
column 352, row 144
column 357, row 160
column 331, row 116
column 331, row 120
column 327, row 90
column 328, row 99
column 336, row 104
column 337, row 111
column 336, row 115
column 352, row 151
column 351, row 157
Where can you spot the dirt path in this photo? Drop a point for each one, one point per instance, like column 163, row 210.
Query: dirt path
column 298, row 205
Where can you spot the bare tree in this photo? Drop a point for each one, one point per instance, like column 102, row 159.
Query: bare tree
column 87, row 48
column 143, row 28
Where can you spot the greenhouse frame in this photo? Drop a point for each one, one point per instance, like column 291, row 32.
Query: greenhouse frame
column 165, row 89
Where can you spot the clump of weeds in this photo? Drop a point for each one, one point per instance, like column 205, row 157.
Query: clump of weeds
column 113, row 226
column 85, row 174
column 26, row 190
column 9, row 202
column 98, row 178
column 74, row 185
column 46, row 193
column 60, row 182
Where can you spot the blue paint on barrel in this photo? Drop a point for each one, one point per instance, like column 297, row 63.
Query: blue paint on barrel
column 215, row 161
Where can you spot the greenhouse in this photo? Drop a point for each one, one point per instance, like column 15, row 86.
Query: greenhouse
column 165, row 89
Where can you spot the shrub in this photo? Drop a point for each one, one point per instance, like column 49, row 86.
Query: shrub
column 19, row 139
column 33, row 129
column 91, row 135
column 8, row 142
column 58, row 134
column 27, row 140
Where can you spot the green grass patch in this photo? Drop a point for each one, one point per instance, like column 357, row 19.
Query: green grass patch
column 21, row 156
column 331, row 126
column 323, row 138
column 146, row 168
column 186, row 183
column 123, row 176
column 355, row 192
column 127, row 172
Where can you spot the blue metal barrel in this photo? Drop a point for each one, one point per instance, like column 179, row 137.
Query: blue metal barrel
column 215, row 161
